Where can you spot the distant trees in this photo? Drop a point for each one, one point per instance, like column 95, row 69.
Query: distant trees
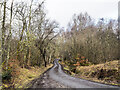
column 97, row 42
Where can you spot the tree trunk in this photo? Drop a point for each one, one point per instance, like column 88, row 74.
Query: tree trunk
column 18, row 47
column 43, row 52
column 50, row 58
column 28, row 37
column 28, row 56
column 3, row 33
column 9, row 36
column 45, row 63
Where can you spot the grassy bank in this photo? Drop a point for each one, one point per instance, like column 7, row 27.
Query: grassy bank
column 25, row 76
column 104, row 73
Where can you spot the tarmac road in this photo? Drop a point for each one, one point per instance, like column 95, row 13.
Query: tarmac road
column 56, row 78
column 57, row 74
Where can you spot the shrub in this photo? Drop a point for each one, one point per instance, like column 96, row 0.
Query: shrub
column 77, row 71
column 6, row 75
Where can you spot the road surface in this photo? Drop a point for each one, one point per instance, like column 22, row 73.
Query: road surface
column 56, row 78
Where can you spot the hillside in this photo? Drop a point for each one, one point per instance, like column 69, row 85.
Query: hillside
column 104, row 73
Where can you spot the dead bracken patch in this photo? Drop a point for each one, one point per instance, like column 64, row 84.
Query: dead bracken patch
column 104, row 73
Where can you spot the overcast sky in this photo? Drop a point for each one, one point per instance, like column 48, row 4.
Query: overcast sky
column 63, row 10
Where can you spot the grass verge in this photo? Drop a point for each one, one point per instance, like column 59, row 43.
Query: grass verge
column 25, row 76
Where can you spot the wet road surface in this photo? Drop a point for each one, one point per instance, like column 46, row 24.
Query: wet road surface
column 56, row 78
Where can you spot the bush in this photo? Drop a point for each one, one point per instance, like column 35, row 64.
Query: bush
column 6, row 75
column 77, row 71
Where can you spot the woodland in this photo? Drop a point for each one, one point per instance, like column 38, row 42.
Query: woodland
column 28, row 38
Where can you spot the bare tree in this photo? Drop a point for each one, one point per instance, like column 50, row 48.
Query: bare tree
column 21, row 13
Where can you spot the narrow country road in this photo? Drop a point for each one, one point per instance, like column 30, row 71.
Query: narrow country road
column 56, row 78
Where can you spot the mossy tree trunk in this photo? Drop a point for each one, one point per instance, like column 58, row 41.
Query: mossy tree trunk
column 3, row 33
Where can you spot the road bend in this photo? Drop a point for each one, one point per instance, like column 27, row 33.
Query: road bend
column 57, row 74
